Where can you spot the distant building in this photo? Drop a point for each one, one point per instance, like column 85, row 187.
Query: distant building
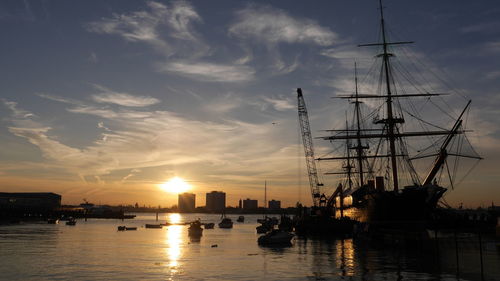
column 216, row 201
column 186, row 202
column 274, row 204
column 240, row 204
column 250, row 204
column 28, row 200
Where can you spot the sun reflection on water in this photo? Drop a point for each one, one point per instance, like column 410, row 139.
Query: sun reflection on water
column 173, row 242
column 174, row 218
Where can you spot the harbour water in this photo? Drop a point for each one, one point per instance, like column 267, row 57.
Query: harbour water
column 95, row 250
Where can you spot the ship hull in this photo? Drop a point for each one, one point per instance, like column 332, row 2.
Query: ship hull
column 413, row 207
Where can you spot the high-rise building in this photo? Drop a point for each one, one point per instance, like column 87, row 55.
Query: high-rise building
column 216, row 201
column 250, row 204
column 274, row 204
column 186, row 202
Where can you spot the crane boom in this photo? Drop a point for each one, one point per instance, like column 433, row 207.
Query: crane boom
column 312, row 172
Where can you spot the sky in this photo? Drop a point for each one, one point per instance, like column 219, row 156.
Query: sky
column 107, row 100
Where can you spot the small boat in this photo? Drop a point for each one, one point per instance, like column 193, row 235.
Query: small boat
column 226, row 223
column 52, row 221
column 209, row 225
column 130, row 228
column 153, row 226
column 195, row 228
column 71, row 221
column 121, row 228
column 276, row 238
column 241, row 219
column 264, row 228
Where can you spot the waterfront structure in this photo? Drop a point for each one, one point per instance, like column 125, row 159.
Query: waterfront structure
column 30, row 200
column 215, row 201
column 186, row 202
column 274, row 204
column 250, row 204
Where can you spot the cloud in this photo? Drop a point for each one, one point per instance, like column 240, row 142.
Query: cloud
column 273, row 26
column 93, row 57
column 123, row 99
column 211, row 72
column 492, row 47
column 485, row 27
column 137, row 141
column 493, row 75
column 147, row 27
column 59, row 99
column 17, row 113
column 281, row 104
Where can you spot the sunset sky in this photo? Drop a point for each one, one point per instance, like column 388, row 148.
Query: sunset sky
column 108, row 100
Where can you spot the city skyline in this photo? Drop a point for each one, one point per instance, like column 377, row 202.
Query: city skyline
column 110, row 100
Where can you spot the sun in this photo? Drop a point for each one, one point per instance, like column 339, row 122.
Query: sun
column 175, row 185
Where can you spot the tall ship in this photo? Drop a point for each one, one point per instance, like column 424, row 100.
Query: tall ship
column 396, row 161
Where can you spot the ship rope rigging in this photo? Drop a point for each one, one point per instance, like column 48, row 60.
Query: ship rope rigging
column 394, row 135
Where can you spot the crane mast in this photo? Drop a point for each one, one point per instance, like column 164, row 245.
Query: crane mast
column 305, row 129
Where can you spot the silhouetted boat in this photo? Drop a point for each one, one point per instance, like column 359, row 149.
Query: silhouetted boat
column 226, row 223
column 276, row 238
column 153, row 225
column 209, row 225
column 263, row 228
column 195, row 228
column 121, row 228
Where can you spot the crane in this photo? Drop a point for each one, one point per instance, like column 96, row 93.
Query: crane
column 319, row 200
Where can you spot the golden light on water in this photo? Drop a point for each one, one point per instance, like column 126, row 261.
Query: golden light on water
column 174, row 218
column 174, row 241
column 175, row 185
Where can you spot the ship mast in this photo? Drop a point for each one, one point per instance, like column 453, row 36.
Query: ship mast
column 390, row 120
column 359, row 148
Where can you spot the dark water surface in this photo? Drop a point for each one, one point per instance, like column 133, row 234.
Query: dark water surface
column 95, row 250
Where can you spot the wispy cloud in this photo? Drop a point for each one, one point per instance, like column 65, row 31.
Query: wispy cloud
column 137, row 140
column 123, row 99
column 161, row 27
column 485, row 27
column 492, row 47
column 17, row 113
column 264, row 25
column 281, row 104
column 205, row 71
column 273, row 26
column 493, row 75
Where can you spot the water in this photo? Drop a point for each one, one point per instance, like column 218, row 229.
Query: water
column 95, row 250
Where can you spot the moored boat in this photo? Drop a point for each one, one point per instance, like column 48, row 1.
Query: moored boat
column 195, row 228
column 276, row 238
column 209, row 225
column 153, row 226
column 226, row 223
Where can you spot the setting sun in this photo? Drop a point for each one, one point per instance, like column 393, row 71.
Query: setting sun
column 176, row 185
